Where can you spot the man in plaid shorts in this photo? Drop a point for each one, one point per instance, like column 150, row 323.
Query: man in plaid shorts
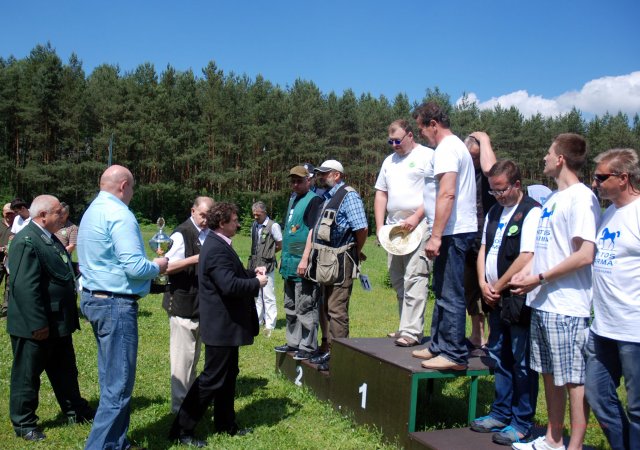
column 558, row 283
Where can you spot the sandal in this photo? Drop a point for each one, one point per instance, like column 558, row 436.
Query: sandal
column 406, row 342
column 394, row 334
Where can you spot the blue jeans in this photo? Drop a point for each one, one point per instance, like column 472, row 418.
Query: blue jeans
column 516, row 385
column 115, row 325
column 607, row 361
column 449, row 313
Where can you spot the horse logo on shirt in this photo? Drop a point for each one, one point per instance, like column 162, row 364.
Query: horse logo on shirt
column 546, row 214
column 609, row 236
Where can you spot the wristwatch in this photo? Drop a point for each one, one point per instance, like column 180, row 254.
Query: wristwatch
column 543, row 281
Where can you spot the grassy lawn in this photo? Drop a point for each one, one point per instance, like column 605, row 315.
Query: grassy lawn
column 283, row 416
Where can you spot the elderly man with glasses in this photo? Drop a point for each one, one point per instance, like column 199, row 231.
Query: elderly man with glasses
column 405, row 193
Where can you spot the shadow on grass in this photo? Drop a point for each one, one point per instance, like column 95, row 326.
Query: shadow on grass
column 447, row 406
column 263, row 412
column 246, row 386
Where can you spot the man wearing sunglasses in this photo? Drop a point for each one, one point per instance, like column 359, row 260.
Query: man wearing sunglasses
column 613, row 346
column 558, row 286
column 405, row 179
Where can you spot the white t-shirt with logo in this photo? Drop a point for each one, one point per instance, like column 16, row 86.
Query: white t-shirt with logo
column 452, row 156
column 403, row 179
column 527, row 238
column 616, row 274
column 571, row 213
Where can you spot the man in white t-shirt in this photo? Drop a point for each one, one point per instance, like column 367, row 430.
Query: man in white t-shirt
column 21, row 210
column 509, row 227
column 455, row 226
column 558, row 283
column 613, row 346
column 404, row 186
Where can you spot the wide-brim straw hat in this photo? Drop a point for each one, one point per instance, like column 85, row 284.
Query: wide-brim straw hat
column 398, row 241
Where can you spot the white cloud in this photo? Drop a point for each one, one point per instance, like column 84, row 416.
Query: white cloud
column 606, row 94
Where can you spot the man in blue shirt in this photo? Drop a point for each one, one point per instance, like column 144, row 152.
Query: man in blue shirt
column 342, row 226
column 115, row 274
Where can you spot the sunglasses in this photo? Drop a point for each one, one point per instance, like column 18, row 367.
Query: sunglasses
column 501, row 192
column 602, row 177
column 397, row 141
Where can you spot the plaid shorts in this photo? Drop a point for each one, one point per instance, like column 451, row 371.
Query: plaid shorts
column 556, row 346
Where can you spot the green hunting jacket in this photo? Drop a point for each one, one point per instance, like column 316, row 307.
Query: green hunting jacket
column 42, row 285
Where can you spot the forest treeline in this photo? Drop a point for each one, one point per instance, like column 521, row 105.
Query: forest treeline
column 214, row 133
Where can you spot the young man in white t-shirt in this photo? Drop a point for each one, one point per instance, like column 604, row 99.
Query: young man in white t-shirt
column 558, row 283
column 454, row 230
column 509, row 227
column 404, row 184
column 613, row 346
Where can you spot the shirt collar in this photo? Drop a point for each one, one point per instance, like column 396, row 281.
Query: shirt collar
column 223, row 237
column 46, row 232
column 333, row 190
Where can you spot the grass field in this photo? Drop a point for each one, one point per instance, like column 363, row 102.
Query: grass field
column 282, row 415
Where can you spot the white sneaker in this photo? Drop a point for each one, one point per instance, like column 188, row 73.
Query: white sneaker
column 537, row 444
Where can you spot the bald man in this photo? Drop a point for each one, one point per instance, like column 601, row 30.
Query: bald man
column 115, row 275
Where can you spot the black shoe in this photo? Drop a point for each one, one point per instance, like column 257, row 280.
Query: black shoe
column 34, row 436
column 234, row 431
column 321, row 359
column 301, row 355
column 244, row 431
column 187, row 439
column 285, row 348
column 84, row 417
column 324, row 367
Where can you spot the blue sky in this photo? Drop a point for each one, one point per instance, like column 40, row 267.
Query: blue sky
column 541, row 55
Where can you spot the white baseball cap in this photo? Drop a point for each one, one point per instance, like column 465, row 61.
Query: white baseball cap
column 329, row 165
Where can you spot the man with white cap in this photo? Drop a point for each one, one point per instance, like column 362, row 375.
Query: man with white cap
column 341, row 226
column 404, row 181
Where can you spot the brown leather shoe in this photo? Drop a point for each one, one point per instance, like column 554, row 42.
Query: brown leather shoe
column 442, row 363
column 422, row 354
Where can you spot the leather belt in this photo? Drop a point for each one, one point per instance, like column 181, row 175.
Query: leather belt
column 107, row 294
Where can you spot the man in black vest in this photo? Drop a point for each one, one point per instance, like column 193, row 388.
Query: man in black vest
column 266, row 241
column 342, row 224
column 181, row 299
column 509, row 224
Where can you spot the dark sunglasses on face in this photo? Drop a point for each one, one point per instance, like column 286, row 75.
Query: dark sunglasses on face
column 397, row 141
column 602, row 177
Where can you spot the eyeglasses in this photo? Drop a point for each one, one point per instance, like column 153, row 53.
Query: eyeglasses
column 500, row 192
column 397, row 141
column 602, row 177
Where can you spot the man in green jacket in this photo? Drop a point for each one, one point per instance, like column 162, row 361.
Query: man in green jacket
column 42, row 316
column 300, row 294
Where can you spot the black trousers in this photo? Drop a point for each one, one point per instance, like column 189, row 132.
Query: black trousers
column 216, row 383
column 56, row 357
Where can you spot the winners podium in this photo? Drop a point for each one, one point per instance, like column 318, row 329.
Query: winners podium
column 377, row 383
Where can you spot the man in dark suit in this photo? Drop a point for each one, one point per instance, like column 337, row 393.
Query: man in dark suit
column 41, row 318
column 229, row 318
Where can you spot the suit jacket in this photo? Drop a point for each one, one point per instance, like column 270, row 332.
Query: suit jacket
column 226, row 290
column 42, row 286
